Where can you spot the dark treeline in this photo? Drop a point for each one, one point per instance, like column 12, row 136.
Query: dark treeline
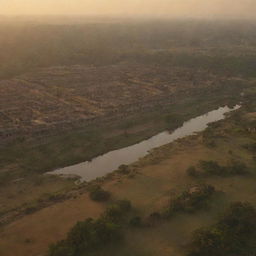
column 27, row 46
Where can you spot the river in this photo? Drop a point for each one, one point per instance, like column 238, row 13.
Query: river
column 104, row 164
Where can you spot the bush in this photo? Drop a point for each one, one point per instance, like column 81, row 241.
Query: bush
column 213, row 168
column 233, row 234
column 191, row 171
column 124, row 169
column 136, row 221
column 194, row 199
column 61, row 249
column 237, row 168
column 117, row 211
column 30, row 209
column 98, row 194
column 90, row 236
column 113, row 213
column 87, row 237
column 125, row 205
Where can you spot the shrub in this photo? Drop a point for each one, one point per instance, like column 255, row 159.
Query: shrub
column 86, row 237
column 237, row 168
column 28, row 241
column 124, row 169
column 90, row 236
column 117, row 211
column 125, row 205
column 113, row 213
column 191, row 171
column 233, row 234
column 211, row 167
column 194, row 199
column 136, row 221
column 55, row 197
column 30, row 209
column 98, row 194
column 61, row 249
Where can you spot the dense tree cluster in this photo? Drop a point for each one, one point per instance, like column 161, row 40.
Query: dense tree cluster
column 87, row 237
column 91, row 236
column 213, row 168
column 99, row 194
column 191, row 200
column 233, row 234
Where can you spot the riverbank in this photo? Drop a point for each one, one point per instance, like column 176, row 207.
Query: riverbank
column 100, row 166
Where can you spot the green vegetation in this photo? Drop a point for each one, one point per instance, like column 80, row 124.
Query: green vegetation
column 116, row 211
column 87, row 238
column 212, row 168
column 192, row 171
column 194, row 199
column 124, row 205
column 92, row 236
column 98, row 194
column 124, row 169
column 233, row 234
column 136, row 221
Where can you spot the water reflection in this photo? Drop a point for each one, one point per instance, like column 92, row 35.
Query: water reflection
column 110, row 161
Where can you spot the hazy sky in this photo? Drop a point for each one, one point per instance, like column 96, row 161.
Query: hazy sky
column 170, row 8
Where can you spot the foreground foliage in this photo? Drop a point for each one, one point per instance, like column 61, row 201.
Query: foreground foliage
column 233, row 234
column 87, row 237
column 91, row 236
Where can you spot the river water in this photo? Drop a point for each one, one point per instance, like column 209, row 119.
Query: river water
column 104, row 164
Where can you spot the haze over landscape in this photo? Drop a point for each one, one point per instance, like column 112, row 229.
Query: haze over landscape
column 127, row 127
column 150, row 8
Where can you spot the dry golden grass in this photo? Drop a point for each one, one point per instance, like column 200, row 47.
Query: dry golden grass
column 23, row 191
column 32, row 234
